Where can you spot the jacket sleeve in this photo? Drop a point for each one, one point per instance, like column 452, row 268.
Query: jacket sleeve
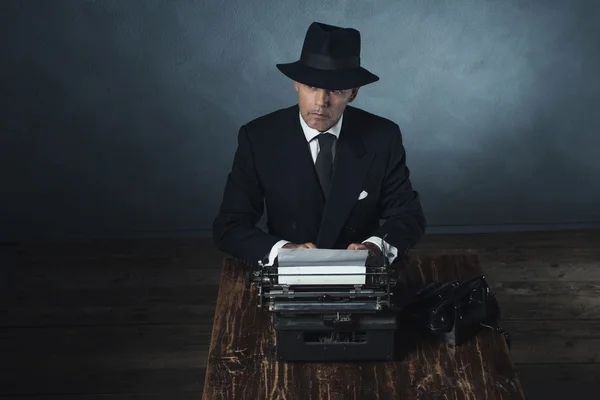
column 399, row 204
column 234, row 229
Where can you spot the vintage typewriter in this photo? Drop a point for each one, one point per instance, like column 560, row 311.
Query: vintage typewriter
column 329, row 305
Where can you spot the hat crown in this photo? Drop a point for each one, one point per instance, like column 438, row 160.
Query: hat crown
column 332, row 41
column 330, row 59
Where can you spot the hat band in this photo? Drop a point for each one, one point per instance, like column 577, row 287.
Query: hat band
column 320, row 61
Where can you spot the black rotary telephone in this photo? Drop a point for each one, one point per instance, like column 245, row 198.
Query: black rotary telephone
column 456, row 311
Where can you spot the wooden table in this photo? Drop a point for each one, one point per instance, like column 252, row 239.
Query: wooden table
column 240, row 367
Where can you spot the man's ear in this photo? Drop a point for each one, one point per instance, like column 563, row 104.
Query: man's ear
column 296, row 86
column 353, row 95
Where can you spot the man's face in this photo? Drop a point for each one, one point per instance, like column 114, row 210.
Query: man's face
column 322, row 108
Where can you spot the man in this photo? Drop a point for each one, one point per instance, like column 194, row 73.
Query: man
column 326, row 171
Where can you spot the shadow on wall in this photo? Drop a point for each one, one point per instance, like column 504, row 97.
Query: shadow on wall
column 122, row 120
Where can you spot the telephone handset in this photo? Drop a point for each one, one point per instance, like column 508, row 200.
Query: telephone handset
column 456, row 311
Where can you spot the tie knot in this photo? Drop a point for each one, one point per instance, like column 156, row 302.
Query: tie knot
column 326, row 141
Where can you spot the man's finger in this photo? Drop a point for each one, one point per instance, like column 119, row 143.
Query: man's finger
column 357, row 246
column 310, row 245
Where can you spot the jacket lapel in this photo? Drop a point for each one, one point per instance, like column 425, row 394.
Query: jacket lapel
column 301, row 180
column 351, row 165
column 300, row 159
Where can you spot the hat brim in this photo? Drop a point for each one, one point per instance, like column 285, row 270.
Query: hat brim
column 340, row 79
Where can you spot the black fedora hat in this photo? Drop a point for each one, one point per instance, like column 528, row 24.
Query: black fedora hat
column 330, row 59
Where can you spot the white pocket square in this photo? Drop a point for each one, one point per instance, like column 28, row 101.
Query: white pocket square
column 362, row 195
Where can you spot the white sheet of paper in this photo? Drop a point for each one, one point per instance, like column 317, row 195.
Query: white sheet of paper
column 301, row 262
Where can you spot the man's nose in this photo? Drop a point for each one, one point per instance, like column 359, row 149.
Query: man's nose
column 322, row 98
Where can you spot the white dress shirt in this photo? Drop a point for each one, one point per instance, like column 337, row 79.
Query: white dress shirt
column 311, row 135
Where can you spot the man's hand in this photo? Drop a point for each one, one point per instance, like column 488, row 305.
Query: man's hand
column 374, row 250
column 299, row 246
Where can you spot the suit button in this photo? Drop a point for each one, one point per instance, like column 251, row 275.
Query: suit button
column 352, row 230
column 294, row 225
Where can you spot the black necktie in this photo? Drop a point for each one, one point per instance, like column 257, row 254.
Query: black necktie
column 324, row 162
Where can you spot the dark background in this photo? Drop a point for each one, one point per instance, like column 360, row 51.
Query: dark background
column 120, row 118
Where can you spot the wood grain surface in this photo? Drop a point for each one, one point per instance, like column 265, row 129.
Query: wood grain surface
column 240, row 363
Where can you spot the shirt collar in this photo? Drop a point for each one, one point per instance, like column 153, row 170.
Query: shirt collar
column 311, row 133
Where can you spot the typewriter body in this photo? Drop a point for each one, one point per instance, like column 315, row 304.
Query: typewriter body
column 333, row 312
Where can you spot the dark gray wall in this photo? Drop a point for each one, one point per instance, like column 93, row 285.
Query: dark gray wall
column 120, row 117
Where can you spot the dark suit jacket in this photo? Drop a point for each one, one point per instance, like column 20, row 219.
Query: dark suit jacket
column 273, row 166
